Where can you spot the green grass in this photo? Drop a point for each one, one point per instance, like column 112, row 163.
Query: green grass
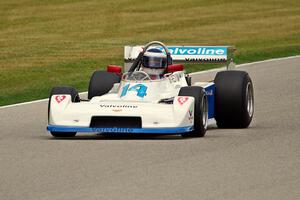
column 61, row 42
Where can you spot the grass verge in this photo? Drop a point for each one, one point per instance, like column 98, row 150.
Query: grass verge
column 49, row 43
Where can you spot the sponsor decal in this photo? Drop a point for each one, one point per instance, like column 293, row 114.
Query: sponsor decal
column 194, row 50
column 117, row 110
column 60, row 98
column 140, row 89
column 182, row 100
column 197, row 50
column 113, row 130
column 117, row 106
column 173, row 78
column 190, row 115
column 205, row 59
column 190, row 112
column 209, row 92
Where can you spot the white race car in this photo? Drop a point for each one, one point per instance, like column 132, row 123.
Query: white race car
column 134, row 103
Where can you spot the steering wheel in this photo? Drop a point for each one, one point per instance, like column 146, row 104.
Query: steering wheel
column 139, row 76
column 140, row 56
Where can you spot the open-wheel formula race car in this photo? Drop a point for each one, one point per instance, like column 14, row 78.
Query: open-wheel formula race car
column 135, row 102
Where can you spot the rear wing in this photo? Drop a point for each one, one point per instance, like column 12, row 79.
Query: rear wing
column 188, row 54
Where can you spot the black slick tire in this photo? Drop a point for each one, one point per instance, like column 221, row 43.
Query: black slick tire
column 74, row 97
column 200, row 110
column 234, row 99
column 101, row 82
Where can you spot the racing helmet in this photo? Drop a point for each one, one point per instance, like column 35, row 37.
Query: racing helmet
column 154, row 62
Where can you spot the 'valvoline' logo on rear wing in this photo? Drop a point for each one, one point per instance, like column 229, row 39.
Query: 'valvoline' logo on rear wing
column 185, row 54
column 194, row 50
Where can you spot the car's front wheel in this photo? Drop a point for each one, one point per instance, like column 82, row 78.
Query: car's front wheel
column 101, row 82
column 234, row 99
column 74, row 98
column 63, row 134
column 200, row 110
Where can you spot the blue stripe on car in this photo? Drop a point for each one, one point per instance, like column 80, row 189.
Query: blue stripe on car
column 210, row 92
column 173, row 130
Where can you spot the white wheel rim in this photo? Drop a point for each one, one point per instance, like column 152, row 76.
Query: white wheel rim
column 250, row 99
column 204, row 109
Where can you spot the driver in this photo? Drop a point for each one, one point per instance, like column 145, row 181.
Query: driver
column 154, row 63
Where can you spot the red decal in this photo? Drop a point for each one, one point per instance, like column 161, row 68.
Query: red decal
column 60, row 98
column 182, row 100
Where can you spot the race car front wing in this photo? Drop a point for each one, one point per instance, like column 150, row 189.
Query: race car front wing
column 172, row 130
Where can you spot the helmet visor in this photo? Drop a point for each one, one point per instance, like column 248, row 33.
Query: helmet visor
column 154, row 62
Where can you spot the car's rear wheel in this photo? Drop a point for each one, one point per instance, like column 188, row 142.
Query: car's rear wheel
column 74, row 97
column 234, row 99
column 200, row 110
column 101, row 82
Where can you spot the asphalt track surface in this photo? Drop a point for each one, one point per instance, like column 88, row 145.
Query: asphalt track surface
column 261, row 162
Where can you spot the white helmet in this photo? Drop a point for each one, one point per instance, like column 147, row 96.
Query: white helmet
column 154, row 62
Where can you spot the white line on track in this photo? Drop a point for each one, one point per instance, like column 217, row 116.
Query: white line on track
column 201, row 72
column 30, row 102
column 246, row 64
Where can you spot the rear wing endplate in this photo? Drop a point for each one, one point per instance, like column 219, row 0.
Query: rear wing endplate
column 188, row 54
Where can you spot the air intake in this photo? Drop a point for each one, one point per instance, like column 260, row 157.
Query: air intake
column 116, row 122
